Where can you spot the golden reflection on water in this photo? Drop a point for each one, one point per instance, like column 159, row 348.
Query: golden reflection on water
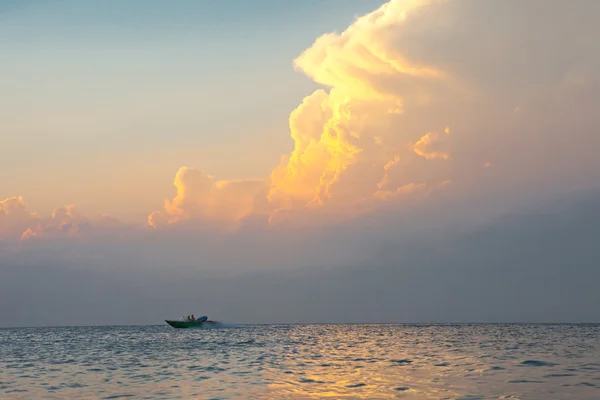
column 349, row 364
column 302, row 362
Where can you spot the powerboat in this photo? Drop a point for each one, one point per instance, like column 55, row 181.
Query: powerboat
column 202, row 322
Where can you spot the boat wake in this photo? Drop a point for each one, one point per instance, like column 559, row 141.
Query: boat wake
column 221, row 325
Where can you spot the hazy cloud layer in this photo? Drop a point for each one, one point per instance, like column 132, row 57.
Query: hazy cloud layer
column 529, row 267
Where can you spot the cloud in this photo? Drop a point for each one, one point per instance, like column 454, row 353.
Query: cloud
column 346, row 147
column 222, row 204
column 417, row 96
column 364, row 63
column 409, row 69
column 14, row 216
column 394, row 81
column 18, row 223
column 429, row 146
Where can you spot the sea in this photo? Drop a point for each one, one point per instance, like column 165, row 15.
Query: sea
column 465, row 361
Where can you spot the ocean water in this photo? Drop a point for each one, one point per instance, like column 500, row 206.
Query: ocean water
column 303, row 361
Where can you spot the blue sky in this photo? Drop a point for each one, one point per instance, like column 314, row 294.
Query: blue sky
column 137, row 89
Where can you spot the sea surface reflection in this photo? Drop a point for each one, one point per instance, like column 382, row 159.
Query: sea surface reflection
column 303, row 361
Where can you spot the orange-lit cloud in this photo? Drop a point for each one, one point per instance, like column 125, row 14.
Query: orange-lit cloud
column 201, row 197
column 346, row 140
column 430, row 146
column 416, row 96
column 14, row 217
column 348, row 145
column 18, row 223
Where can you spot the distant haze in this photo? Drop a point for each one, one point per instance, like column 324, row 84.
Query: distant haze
column 528, row 267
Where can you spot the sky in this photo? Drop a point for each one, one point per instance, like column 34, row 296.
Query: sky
column 104, row 102
column 204, row 141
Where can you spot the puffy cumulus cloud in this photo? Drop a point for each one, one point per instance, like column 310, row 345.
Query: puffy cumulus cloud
column 64, row 221
column 365, row 61
column 221, row 204
column 430, row 146
column 18, row 223
column 14, row 216
column 394, row 81
column 338, row 158
column 345, row 147
column 348, row 143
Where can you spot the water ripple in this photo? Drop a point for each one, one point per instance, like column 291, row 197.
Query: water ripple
column 303, row 361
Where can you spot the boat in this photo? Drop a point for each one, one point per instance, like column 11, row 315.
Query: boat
column 201, row 322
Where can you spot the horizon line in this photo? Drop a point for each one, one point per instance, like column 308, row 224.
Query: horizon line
column 312, row 323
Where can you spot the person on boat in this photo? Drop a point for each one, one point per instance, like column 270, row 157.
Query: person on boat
column 193, row 319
